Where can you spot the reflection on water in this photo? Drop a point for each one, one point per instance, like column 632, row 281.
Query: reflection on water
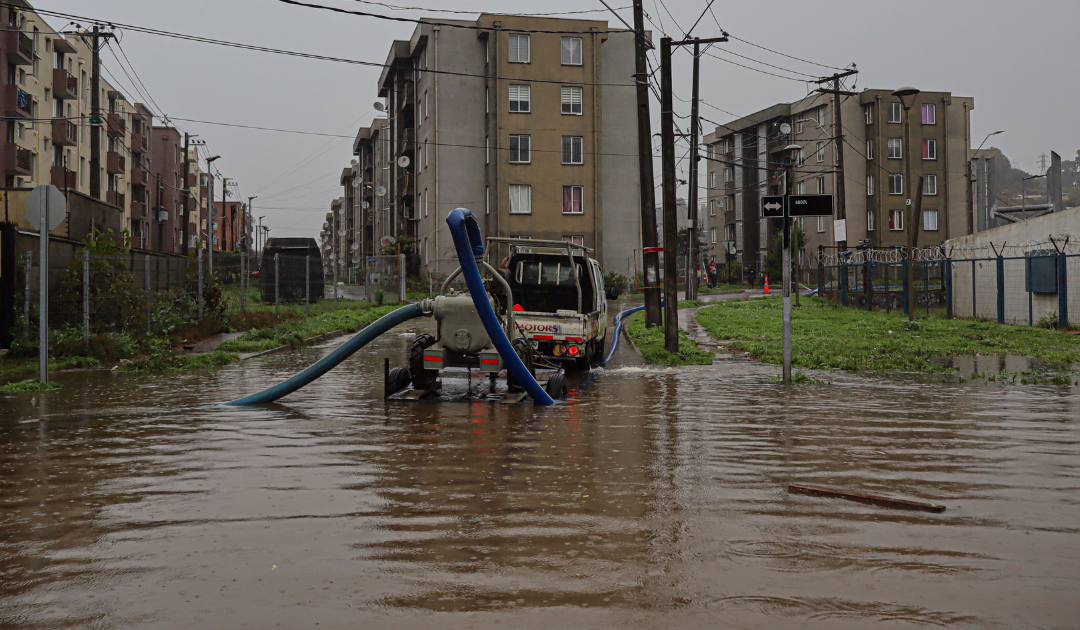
column 655, row 498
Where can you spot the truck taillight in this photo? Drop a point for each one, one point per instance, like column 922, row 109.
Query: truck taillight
column 573, row 351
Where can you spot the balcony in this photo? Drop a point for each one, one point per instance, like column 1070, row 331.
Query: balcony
column 115, row 123
column 65, row 85
column 15, row 159
column 62, row 177
column 192, row 180
column 114, row 198
column 729, row 188
column 408, row 140
column 138, row 176
column 138, row 143
column 19, row 47
column 114, row 163
column 138, row 208
column 408, row 96
column 64, row 132
column 17, row 101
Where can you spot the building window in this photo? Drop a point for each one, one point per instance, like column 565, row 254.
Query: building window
column 573, row 150
column 575, row 239
column 896, row 184
column 519, row 98
column 896, row 220
column 519, row 48
column 821, row 152
column 868, row 113
column 820, row 224
column 712, row 179
column 929, row 220
column 821, row 116
column 896, row 149
column 519, row 149
column 729, row 174
column 487, row 150
column 929, row 114
column 712, row 234
column 572, row 197
column 487, row 200
column 869, row 185
column 894, row 112
column 713, row 207
column 869, row 149
column 800, row 188
column 800, row 125
column 930, row 185
column 571, row 51
column 821, row 185
column 870, row 221
column 571, row 100
column 929, row 149
column 520, row 199
column 487, row 100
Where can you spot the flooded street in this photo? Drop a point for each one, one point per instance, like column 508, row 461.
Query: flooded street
column 657, row 498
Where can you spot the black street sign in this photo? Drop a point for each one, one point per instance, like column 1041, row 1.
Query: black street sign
column 772, row 206
column 810, row 205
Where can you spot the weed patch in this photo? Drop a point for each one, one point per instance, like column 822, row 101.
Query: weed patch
column 293, row 333
column 29, row 385
column 650, row 341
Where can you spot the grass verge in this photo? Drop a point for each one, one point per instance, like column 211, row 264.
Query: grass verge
column 29, row 365
column 826, row 335
column 167, row 361
column 293, row 333
column 29, row 385
column 650, row 341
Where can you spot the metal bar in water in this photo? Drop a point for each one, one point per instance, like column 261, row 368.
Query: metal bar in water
column 307, row 285
column 86, row 299
column 26, row 301
column 277, row 293
column 873, row 499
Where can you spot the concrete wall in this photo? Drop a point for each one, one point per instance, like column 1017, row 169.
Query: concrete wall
column 975, row 286
column 620, row 214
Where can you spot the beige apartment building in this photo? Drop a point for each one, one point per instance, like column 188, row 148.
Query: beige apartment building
column 745, row 160
column 533, row 131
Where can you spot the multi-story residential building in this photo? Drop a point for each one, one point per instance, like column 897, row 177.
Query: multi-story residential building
column 167, row 174
column 533, row 131
column 746, row 159
column 230, row 223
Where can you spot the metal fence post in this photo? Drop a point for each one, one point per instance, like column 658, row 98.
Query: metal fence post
column 843, row 284
column 307, row 285
column 277, row 284
column 888, row 305
column 335, row 283
column 201, row 297
column 86, row 299
column 869, row 285
column 974, row 308
column 907, row 270
column 146, row 286
column 243, row 279
column 946, row 278
column 1000, row 289
column 1063, row 291
column 26, row 301
column 401, row 278
column 926, row 289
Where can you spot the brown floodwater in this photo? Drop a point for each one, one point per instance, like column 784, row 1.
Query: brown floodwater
column 655, row 498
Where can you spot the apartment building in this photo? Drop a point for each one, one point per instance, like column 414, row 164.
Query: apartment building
column 746, row 159
column 533, row 131
column 230, row 224
column 167, row 174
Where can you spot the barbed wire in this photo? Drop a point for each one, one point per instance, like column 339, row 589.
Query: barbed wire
column 1063, row 243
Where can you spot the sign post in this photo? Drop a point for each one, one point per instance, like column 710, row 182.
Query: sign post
column 786, row 207
column 45, row 209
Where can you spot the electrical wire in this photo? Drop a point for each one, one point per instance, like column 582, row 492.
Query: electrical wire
column 393, row 7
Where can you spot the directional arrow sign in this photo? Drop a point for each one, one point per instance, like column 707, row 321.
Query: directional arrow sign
column 810, row 205
column 772, row 206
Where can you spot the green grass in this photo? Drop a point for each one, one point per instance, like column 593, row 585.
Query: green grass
column 826, row 335
column 167, row 361
column 293, row 333
column 650, row 341
column 29, row 365
column 691, row 304
column 29, row 385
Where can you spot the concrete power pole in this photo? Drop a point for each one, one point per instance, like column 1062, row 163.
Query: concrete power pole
column 671, row 227
column 96, row 118
column 186, row 192
column 838, row 144
column 692, row 249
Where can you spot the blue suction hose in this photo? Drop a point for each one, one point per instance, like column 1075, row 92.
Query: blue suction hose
column 470, row 248
column 618, row 329
column 324, row 365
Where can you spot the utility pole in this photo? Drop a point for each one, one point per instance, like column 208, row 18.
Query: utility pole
column 96, row 119
column 650, row 253
column 909, row 213
column 157, row 217
column 671, row 228
column 692, row 276
column 838, row 144
column 186, row 192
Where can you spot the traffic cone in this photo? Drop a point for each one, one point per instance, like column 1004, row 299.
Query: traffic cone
column 766, row 284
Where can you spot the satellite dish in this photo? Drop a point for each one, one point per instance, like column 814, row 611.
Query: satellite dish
column 379, row 106
column 365, row 205
column 386, row 241
column 356, row 162
column 356, row 260
column 355, row 246
column 381, row 191
column 403, row 161
column 341, row 232
column 356, row 183
column 785, row 128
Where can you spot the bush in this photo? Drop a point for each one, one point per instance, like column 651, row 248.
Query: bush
column 29, row 385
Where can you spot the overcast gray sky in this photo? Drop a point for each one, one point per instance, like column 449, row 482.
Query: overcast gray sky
column 1017, row 59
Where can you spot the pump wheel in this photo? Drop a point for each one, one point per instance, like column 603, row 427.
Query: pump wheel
column 421, row 378
column 397, row 380
column 556, row 386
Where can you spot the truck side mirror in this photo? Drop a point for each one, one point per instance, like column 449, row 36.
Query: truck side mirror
column 613, row 292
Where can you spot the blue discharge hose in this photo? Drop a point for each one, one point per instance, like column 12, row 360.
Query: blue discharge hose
column 470, row 248
column 324, row 365
column 618, row 329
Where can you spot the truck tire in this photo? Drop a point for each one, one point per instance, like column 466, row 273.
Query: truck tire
column 556, row 386
column 397, row 380
column 421, row 378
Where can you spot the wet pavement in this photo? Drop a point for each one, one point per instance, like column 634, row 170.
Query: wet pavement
column 656, row 498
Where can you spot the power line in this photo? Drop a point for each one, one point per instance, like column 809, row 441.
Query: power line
column 393, row 7
column 775, row 52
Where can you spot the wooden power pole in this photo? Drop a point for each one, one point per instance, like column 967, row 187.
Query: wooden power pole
column 671, row 227
column 650, row 255
column 186, row 192
column 838, row 143
column 96, row 118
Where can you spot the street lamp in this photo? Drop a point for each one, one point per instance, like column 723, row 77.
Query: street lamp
column 907, row 99
column 210, row 216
